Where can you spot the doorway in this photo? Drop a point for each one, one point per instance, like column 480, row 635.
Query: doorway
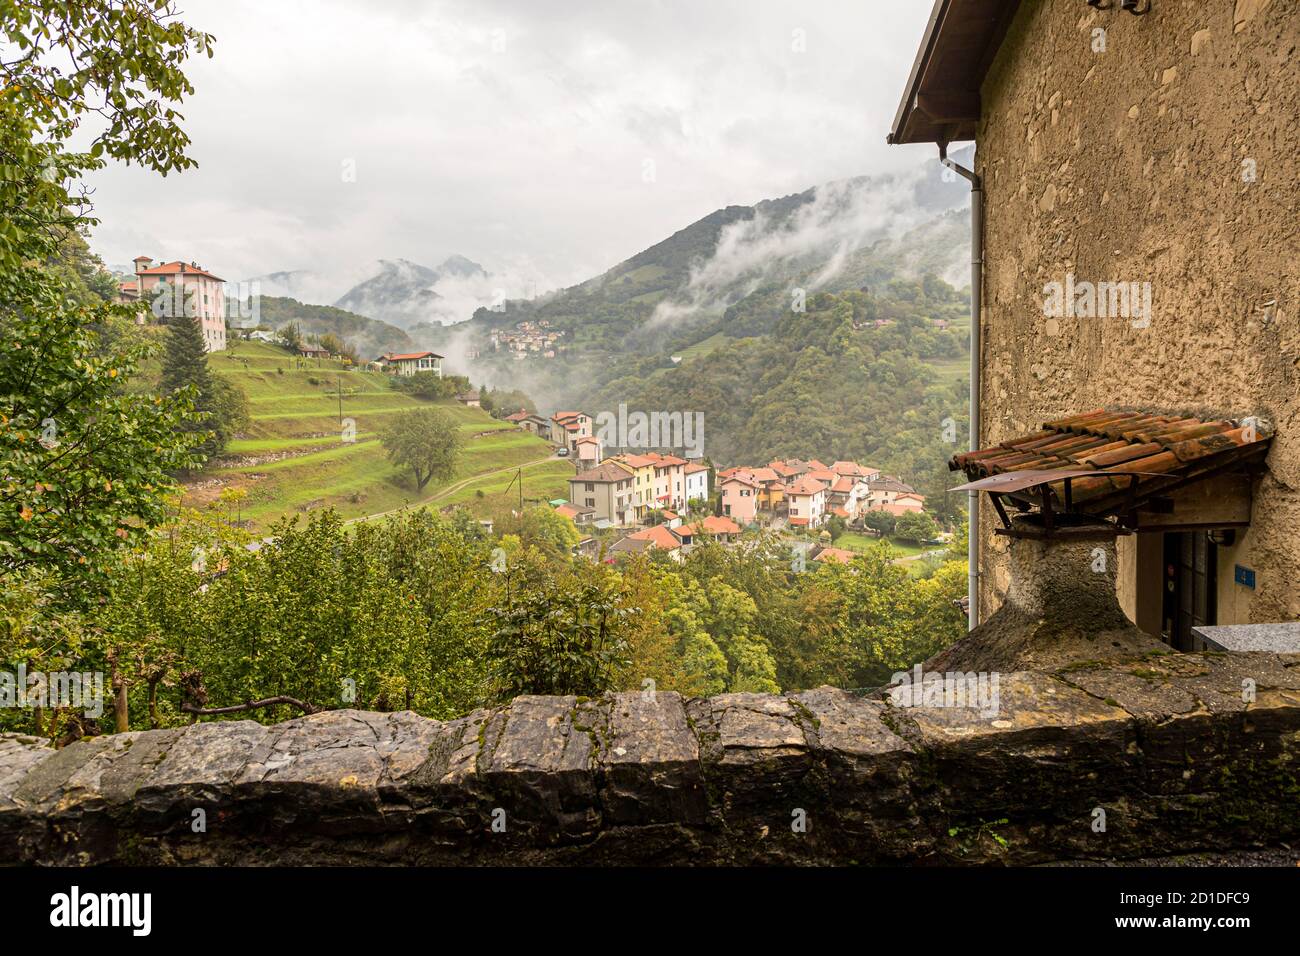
column 1190, row 559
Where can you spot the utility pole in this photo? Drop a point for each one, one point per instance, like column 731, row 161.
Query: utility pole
column 519, row 477
column 340, row 382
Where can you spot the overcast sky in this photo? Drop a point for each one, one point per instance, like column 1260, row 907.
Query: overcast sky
column 542, row 138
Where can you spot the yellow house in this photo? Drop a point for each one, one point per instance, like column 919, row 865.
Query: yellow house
column 642, row 468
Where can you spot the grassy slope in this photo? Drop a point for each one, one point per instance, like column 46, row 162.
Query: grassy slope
column 295, row 418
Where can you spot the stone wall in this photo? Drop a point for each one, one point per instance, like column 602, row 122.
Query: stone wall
column 1170, row 748
column 1127, row 165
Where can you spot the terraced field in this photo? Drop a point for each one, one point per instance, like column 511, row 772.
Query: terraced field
column 313, row 443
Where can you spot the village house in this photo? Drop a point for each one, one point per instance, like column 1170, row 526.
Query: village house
column 577, row 514
column 568, row 427
column 660, row 537
column 587, row 450
column 851, row 469
column 696, row 476
column 883, row 494
column 714, row 527
column 837, row 555
column 659, row 481
column 1134, row 314
column 807, row 502
column 607, row 490
column 740, row 497
column 410, row 363
column 469, row 400
column 181, row 288
column 643, row 480
column 844, row 495
column 530, row 422
column 669, row 481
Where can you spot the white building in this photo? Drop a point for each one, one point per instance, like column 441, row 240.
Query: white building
column 409, row 363
column 697, row 482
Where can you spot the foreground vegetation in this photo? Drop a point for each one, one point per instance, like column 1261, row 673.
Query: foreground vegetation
column 431, row 614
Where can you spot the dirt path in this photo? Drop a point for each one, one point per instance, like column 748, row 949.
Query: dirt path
column 453, row 488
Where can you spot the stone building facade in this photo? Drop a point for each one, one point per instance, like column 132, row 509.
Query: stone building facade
column 1157, row 151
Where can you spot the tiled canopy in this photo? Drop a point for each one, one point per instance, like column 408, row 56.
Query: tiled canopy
column 1166, row 451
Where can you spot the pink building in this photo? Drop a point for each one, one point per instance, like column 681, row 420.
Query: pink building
column 670, row 481
column 588, row 450
column 740, row 498
column 182, row 288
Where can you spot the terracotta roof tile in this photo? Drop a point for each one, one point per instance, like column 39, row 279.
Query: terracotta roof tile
column 1165, row 449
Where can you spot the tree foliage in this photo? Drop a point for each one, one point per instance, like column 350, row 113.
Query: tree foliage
column 84, row 458
column 425, row 440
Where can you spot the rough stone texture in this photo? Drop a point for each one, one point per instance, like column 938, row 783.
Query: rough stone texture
column 1184, row 753
column 1060, row 608
column 1127, row 165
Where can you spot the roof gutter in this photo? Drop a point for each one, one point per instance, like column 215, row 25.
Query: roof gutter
column 914, row 79
column 976, row 277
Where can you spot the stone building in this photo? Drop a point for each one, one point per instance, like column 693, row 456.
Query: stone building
column 1139, row 254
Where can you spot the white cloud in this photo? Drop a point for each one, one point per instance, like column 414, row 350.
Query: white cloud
column 515, row 133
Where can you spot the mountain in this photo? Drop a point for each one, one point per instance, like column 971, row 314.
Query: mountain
column 402, row 293
column 396, row 291
column 827, row 238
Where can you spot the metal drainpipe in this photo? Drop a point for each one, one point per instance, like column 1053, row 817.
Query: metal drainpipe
column 976, row 275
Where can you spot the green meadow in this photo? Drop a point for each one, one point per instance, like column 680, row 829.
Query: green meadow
column 312, row 442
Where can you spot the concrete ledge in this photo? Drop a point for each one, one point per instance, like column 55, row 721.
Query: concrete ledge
column 1181, row 753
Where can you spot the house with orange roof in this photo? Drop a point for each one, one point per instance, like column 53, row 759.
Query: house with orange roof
column 837, row 555
column 411, row 363
column 178, row 289
column 852, row 469
column 606, row 489
column 578, row 515
column 670, row 482
column 807, row 498
column 660, row 538
column 740, row 497
column 714, row 527
column 906, row 503
column 587, row 450
column 568, row 427
column 642, row 468
column 529, row 422
column 790, row 468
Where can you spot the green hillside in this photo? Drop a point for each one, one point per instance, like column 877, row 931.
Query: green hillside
column 292, row 456
column 369, row 337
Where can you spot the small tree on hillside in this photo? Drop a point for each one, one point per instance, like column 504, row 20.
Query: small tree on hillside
column 185, row 364
column 425, row 440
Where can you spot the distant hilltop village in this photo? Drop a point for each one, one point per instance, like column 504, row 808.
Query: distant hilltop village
column 528, row 337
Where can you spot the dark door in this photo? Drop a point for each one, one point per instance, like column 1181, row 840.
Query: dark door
column 1190, row 584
